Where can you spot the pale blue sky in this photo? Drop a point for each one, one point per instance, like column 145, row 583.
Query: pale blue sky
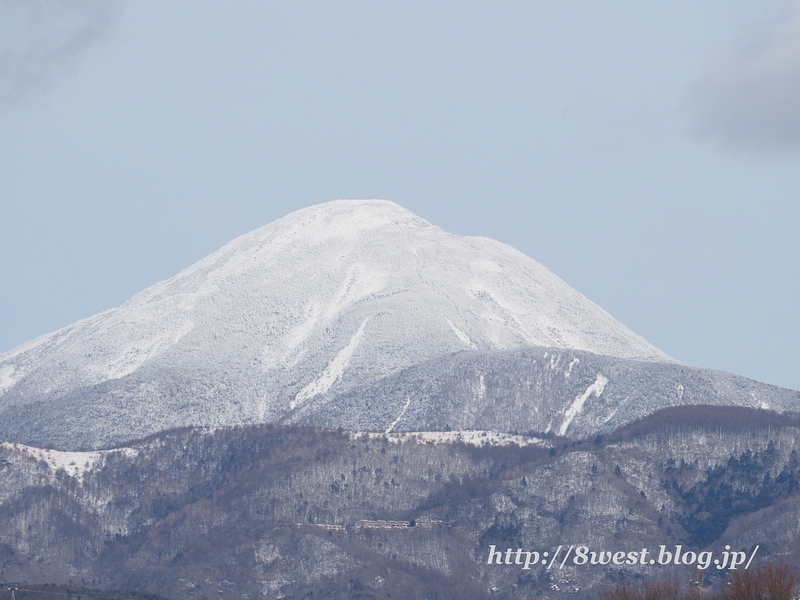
column 647, row 153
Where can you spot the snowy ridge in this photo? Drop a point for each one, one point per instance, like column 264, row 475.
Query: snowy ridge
column 75, row 464
column 476, row 438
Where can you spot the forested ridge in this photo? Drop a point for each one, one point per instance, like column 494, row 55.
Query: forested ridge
column 268, row 511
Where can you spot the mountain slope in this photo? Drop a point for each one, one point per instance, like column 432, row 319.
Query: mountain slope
column 563, row 392
column 321, row 302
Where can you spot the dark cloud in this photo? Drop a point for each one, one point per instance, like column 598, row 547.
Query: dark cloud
column 749, row 97
column 41, row 38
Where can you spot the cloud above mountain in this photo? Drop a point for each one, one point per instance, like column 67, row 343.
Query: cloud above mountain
column 39, row 39
column 749, row 96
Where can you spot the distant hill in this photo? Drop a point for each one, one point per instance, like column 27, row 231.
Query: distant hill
column 284, row 512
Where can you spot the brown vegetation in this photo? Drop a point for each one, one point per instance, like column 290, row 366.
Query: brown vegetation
column 765, row 582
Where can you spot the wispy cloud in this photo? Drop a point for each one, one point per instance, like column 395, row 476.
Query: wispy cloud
column 749, row 97
column 41, row 38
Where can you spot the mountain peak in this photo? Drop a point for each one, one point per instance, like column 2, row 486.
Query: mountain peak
column 359, row 214
column 339, row 219
column 322, row 301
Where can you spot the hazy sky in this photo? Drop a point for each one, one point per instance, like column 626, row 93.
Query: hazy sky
column 647, row 153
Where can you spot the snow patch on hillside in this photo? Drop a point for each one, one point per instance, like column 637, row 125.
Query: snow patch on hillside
column 477, row 438
column 400, row 416
column 7, row 380
column 572, row 363
column 462, row 337
column 575, row 408
column 332, row 373
column 74, row 463
column 135, row 354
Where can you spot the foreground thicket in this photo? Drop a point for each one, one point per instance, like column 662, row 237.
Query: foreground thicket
column 766, row 582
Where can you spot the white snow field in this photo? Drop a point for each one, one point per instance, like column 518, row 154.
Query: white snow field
column 319, row 302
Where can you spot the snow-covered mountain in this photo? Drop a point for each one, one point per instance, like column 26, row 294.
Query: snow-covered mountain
column 317, row 304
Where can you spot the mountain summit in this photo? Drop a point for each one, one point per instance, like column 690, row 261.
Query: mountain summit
column 323, row 301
